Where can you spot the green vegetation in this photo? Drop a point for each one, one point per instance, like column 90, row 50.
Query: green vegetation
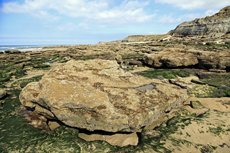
column 196, row 105
column 16, row 135
column 209, row 44
column 204, row 91
column 6, row 71
column 219, row 86
column 165, row 73
column 140, row 65
column 216, row 79
column 217, row 130
column 24, row 82
column 207, row 149
column 174, row 125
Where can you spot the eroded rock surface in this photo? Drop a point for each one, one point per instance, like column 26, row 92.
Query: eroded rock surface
column 213, row 26
column 99, row 95
column 189, row 57
column 170, row 59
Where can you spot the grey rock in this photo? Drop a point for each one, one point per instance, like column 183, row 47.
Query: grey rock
column 134, row 62
column 211, row 26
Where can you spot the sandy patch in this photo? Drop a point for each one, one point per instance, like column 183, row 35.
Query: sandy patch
column 221, row 104
column 30, row 74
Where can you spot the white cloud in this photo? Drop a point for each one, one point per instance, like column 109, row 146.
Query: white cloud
column 45, row 15
column 185, row 17
column 168, row 19
column 196, row 4
column 127, row 11
column 210, row 12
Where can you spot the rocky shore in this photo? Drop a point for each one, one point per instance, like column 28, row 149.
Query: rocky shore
column 162, row 93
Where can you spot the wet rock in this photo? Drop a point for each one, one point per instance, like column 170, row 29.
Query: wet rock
column 99, row 95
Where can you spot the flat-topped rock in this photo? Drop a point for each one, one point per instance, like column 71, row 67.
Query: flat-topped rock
column 99, row 95
column 170, row 59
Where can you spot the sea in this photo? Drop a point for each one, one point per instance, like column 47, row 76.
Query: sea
column 20, row 47
column 25, row 47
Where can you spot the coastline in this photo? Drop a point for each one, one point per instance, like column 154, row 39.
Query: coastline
column 24, row 48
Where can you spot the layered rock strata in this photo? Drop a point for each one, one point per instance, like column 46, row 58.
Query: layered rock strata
column 184, row 57
column 213, row 26
column 99, row 95
column 170, row 59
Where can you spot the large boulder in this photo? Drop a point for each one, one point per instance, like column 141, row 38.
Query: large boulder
column 215, row 60
column 99, row 95
column 170, row 59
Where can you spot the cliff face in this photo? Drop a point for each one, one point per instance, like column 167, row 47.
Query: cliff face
column 213, row 26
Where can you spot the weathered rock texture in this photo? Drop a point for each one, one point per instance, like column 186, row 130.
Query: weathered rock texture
column 185, row 57
column 99, row 95
column 170, row 59
column 213, row 26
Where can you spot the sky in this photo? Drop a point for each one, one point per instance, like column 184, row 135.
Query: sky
column 63, row 22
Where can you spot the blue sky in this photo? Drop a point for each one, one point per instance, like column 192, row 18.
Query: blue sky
column 38, row 22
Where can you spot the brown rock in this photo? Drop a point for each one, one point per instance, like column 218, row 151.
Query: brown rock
column 115, row 139
column 170, row 59
column 133, row 62
column 185, row 83
column 215, row 60
column 53, row 125
column 99, row 95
